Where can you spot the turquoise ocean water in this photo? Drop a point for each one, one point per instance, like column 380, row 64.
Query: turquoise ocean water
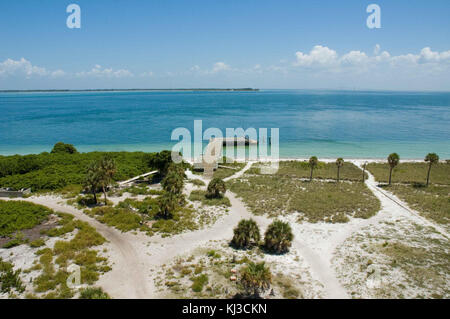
column 323, row 123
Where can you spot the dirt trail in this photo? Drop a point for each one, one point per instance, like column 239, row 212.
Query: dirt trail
column 396, row 205
column 127, row 276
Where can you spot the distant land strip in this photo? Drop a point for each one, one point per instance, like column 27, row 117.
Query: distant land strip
column 132, row 90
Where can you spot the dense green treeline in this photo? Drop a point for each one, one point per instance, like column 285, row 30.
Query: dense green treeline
column 51, row 171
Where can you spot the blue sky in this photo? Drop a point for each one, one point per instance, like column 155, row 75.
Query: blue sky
column 226, row 43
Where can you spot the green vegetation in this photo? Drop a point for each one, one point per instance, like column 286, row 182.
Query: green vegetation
column 393, row 161
column 19, row 215
column 278, row 237
column 302, row 169
column 198, row 282
column 146, row 216
column 255, row 278
column 61, row 147
column 141, row 189
column 54, row 171
column 315, row 201
column 313, row 162
column 227, row 168
column 161, row 161
column 246, row 234
column 287, row 287
column 197, row 182
column 100, row 175
column 53, row 280
column 216, row 188
column 339, row 164
column 201, row 196
column 433, row 202
column 431, row 158
column 412, row 172
column 93, row 293
column 9, row 278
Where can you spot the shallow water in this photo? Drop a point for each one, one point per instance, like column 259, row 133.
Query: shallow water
column 323, row 123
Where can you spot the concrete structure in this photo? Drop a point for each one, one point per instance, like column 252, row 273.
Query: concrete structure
column 8, row 192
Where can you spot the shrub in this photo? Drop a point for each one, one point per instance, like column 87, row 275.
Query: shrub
column 255, row 278
column 216, row 188
column 93, row 293
column 246, row 234
column 9, row 278
column 198, row 282
column 18, row 215
column 278, row 237
column 61, row 147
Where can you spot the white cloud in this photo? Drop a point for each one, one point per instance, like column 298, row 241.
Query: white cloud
column 354, row 58
column 324, row 58
column 220, row 66
column 58, row 74
column 21, row 67
column 99, row 72
column 318, row 56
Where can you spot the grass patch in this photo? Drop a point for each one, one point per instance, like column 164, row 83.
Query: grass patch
column 197, row 182
column 10, row 281
column 198, row 282
column 132, row 214
column 19, row 215
column 411, row 173
column 433, row 202
column 227, row 169
column 54, row 262
column 93, row 293
column 301, row 169
column 200, row 195
column 316, row 201
column 121, row 218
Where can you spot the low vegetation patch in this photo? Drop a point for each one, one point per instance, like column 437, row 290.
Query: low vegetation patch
column 322, row 170
column 411, row 173
column 433, row 202
column 10, row 281
column 315, row 201
column 228, row 169
column 93, row 293
column 19, row 215
column 201, row 196
column 395, row 259
column 197, row 182
column 53, row 263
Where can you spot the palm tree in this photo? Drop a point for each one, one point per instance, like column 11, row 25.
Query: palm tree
column 177, row 168
column 173, row 182
column 93, row 179
column 339, row 164
column 431, row 158
column 364, row 171
column 216, row 188
column 246, row 234
column 167, row 204
column 255, row 278
column 278, row 237
column 393, row 160
column 313, row 161
column 107, row 169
